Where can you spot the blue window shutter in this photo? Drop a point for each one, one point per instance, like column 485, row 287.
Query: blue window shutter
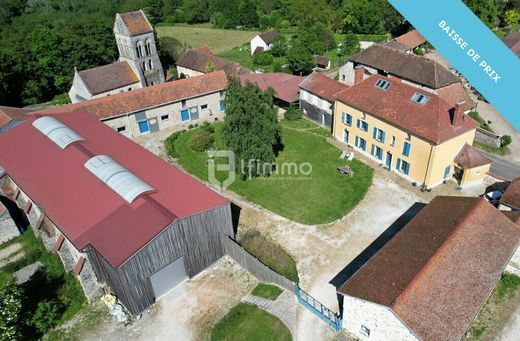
column 398, row 164
column 406, row 149
column 375, row 133
column 383, row 136
column 349, row 119
column 447, row 172
column 407, row 169
column 358, row 123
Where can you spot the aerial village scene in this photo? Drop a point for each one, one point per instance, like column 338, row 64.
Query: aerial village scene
column 251, row 170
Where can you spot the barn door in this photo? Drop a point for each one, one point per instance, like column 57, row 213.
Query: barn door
column 168, row 277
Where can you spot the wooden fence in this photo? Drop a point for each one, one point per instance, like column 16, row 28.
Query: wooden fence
column 254, row 266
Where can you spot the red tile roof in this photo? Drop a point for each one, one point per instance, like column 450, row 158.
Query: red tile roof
column 108, row 77
column 132, row 101
column 512, row 40
column 411, row 39
column 285, row 85
column 195, row 60
column 407, row 66
column 136, row 23
column 514, row 216
column 431, row 121
column 511, row 196
column 440, row 268
column 456, row 93
column 85, row 209
column 321, row 61
column 8, row 114
column 469, row 157
column 322, row 86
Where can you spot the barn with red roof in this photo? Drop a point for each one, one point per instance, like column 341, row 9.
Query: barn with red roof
column 120, row 218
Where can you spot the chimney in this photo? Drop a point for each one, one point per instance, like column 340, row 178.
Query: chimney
column 458, row 114
column 359, row 72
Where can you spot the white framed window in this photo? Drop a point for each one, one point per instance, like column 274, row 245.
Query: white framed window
column 165, row 117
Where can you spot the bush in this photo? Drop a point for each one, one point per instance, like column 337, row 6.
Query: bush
column 201, row 141
column 419, row 51
column 208, row 127
column 270, row 254
column 280, row 46
column 46, row 316
column 277, row 67
column 292, row 114
column 10, row 307
column 263, row 59
column 349, row 46
column 169, row 144
column 505, row 140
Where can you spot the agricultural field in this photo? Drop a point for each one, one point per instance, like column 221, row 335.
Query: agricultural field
column 219, row 40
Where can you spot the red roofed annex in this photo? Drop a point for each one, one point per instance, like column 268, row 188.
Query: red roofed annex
column 116, row 235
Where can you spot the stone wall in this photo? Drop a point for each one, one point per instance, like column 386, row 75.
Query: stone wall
column 487, row 137
column 382, row 324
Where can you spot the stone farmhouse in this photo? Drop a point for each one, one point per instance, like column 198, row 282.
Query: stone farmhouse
column 138, row 65
column 196, row 62
column 262, row 42
column 120, row 218
column 162, row 106
column 317, row 98
column 422, row 73
column 412, row 132
column 407, row 42
column 510, row 200
column 431, row 279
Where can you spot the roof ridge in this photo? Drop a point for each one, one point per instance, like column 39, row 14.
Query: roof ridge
column 442, row 247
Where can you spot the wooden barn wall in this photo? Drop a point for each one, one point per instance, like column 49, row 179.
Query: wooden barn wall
column 198, row 238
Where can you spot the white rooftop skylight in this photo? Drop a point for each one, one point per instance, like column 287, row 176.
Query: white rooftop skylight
column 58, row 132
column 420, row 98
column 117, row 177
column 382, row 84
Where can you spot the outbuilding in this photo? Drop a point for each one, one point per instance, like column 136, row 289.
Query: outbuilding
column 120, row 218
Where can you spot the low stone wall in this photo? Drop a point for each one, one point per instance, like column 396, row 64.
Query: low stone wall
column 487, row 137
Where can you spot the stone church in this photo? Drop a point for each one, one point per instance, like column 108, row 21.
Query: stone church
column 138, row 65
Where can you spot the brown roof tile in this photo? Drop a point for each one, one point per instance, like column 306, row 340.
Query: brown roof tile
column 512, row 40
column 108, row 77
column 268, row 37
column 8, row 114
column 195, row 60
column 411, row 39
column 405, row 65
column 322, row 86
column 431, row 121
column 456, row 93
column 511, row 196
column 514, row 216
column 285, row 85
column 203, row 49
column 469, row 157
column 440, row 268
column 136, row 23
column 132, row 101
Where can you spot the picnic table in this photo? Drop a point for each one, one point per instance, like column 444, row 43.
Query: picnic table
column 345, row 170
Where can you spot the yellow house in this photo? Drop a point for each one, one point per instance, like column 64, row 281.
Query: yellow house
column 409, row 131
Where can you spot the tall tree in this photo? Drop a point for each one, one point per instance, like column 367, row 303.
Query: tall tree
column 317, row 39
column 154, row 11
column 196, row 11
column 307, row 13
column 248, row 13
column 363, row 17
column 300, row 60
column 486, row 10
column 251, row 129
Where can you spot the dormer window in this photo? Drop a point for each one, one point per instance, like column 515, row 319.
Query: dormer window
column 420, row 98
column 383, row 84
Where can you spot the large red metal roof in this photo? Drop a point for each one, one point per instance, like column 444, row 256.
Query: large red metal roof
column 84, row 208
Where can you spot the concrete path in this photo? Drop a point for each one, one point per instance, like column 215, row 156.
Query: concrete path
column 10, row 254
column 284, row 307
column 24, row 274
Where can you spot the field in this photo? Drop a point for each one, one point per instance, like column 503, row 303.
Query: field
column 218, row 40
column 316, row 197
column 247, row 322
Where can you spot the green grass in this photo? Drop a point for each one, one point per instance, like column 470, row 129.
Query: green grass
column 306, row 125
column 51, row 282
column 61, row 99
column 483, row 123
column 271, row 292
column 504, row 150
column 491, row 313
column 247, row 322
column 320, row 197
column 89, row 318
column 219, row 40
column 270, row 253
column 242, row 56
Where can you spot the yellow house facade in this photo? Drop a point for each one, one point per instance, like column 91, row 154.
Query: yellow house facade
column 418, row 141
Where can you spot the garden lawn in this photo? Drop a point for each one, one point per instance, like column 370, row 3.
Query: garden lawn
column 271, row 292
column 219, row 40
column 248, row 322
column 318, row 198
column 242, row 56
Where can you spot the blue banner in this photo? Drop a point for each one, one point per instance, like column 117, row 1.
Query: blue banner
column 470, row 46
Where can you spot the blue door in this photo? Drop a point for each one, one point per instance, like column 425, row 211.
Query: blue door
column 388, row 162
column 185, row 115
column 144, row 127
